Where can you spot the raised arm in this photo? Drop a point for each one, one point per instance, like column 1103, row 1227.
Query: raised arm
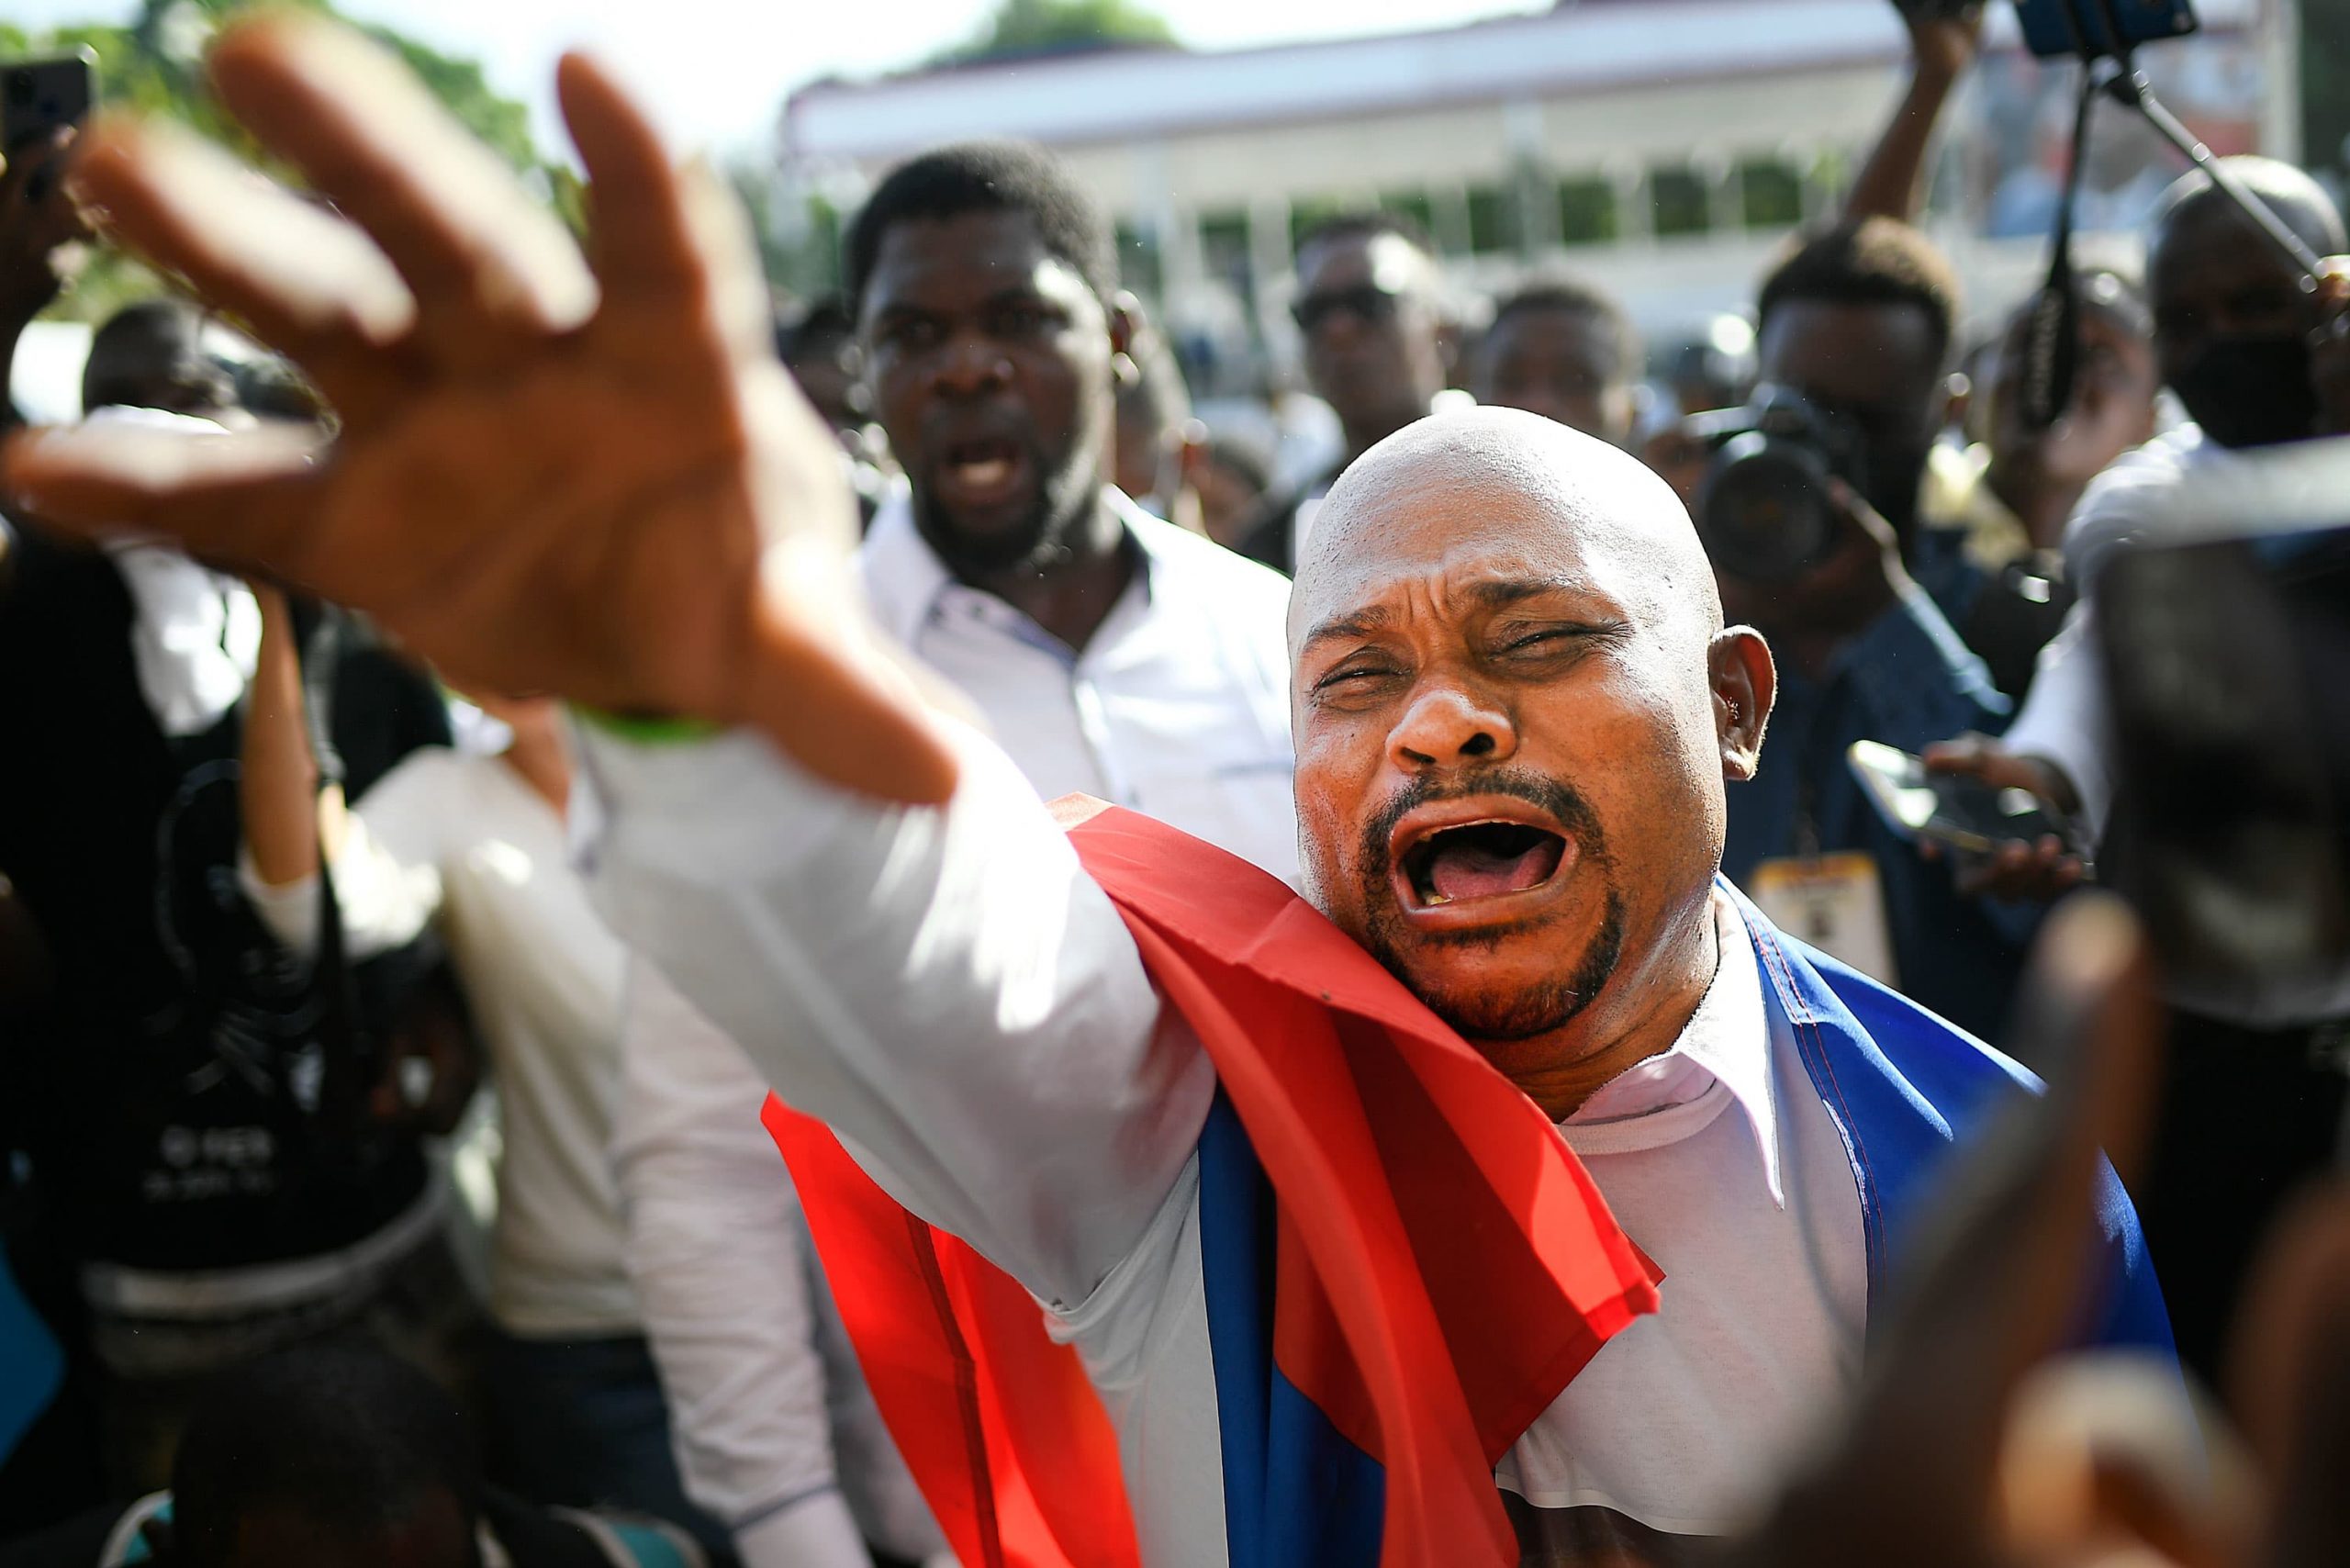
column 1943, row 41
column 944, row 986
column 387, row 886
column 278, row 779
column 594, row 479
column 37, row 221
column 588, row 476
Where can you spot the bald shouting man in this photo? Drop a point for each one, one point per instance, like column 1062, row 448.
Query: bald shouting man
column 1091, row 1054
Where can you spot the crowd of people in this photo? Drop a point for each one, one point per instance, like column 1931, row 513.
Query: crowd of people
column 542, row 1020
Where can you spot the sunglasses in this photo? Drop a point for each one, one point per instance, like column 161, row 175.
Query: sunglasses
column 1366, row 303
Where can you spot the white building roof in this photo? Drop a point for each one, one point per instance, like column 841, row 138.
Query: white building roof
column 1151, row 93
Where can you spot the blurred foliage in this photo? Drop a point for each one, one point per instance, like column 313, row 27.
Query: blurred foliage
column 1024, row 28
column 2325, row 85
column 155, row 65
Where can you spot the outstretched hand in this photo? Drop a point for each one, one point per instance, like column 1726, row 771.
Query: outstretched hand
column 580, row 475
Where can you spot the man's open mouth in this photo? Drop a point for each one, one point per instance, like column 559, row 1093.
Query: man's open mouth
column 977, row 472
column 1468, row 861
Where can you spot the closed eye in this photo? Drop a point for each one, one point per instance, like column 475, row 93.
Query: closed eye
column 1550, row 639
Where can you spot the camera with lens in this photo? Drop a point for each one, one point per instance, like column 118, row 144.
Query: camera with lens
column 1764, row 509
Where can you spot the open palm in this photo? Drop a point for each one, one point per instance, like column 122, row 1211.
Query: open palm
column 583, row 475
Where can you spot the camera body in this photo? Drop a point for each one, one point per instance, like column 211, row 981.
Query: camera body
column 1764, row 509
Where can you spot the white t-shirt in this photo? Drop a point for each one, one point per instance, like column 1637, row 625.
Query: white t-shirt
column 466, row 840
column 2178, row 489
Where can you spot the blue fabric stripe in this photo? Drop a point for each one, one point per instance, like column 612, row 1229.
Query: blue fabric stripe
column 1904, row 1088
column 1296, row 1494
column 31, row 1363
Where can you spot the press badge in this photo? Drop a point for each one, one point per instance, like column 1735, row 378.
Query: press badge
column 1836, row 902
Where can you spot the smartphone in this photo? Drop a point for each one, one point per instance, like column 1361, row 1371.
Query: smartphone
column 1966, row 813
column 2065, row 29
column 39, row 97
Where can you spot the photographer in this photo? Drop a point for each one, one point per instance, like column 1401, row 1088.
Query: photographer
column 2257, row 1085
column 1854, row 340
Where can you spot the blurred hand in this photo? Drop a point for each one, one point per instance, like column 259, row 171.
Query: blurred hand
column 1943, row 1465
column 38, row 220
column 2330, row 352
column 589, row 479
column 1996, row 1288
column 432, row 1062
column 2020, row 869
column 1942, row 40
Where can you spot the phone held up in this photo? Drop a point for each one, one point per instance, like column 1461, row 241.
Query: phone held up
column 40, row 97
column 1963, row 812
column 2061, row 29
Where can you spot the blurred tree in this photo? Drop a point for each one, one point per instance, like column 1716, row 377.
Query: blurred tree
column 156, row 66
column 1023, row 28
column 2325, row 85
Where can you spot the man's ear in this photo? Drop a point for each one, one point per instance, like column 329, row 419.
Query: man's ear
column 1125, row 321
column 1745, row 683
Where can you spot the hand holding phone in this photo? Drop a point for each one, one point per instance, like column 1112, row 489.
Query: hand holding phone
column 42, row 104
column 1999, row 813
column 40, row 97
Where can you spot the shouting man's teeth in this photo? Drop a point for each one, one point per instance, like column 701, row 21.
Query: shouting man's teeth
column 985, row 472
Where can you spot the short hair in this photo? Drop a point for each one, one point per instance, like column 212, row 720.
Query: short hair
column 2285, row 190
column 1866, row 260
column 1573, row 295
column 347, row 1437
column 130, row 342
column 822, row 328
column 1365, row 224
column 1242, row 457
column 986, row 176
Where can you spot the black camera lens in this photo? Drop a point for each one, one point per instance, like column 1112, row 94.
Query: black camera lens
column 1765, row 511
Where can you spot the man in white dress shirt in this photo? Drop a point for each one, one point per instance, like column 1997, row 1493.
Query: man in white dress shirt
column 1109, row 653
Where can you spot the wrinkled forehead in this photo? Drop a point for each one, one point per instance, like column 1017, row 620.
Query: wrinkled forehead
column 1432, row 542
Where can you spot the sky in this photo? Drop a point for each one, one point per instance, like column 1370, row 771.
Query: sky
column 716, row 70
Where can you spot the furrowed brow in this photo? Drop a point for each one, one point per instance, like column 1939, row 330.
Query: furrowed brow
column 1501, row 593
column 1354, row 623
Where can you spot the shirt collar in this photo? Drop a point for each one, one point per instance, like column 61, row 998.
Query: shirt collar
column 905, row 576
column 1727, row 1041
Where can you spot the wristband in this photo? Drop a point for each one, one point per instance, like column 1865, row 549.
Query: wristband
column 644, row 729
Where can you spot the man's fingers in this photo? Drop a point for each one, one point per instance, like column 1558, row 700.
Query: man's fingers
column 1963, row 754
column 2289, row 1377
column 2001, row 1275
column 484, row 260
column 307, row 282
column 663, row 238
column 638, row 242
column 242, row 501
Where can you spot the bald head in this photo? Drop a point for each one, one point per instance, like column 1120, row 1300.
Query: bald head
column 2233, row 314
column 2193, row 200
column 1531, row 475
column 1515, row 709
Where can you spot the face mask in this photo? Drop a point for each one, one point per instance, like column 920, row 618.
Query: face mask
column 2251, row 391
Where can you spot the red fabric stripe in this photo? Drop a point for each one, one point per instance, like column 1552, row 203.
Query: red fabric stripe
column 1444, row 1266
